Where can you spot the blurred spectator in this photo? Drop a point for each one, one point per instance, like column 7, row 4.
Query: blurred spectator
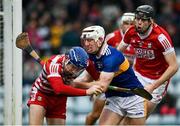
column 56, row 31
column 34, row 37
column 41, row 15
column 72, row 36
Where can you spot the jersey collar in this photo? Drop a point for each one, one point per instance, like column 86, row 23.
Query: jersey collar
column 102, row 50
column 147, row 33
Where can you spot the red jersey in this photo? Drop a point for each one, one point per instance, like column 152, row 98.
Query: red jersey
column 50, row 80
column 150, row 50
column 92, row 70
column 113, row 39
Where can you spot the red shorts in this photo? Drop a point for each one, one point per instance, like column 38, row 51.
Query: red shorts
column 55, row 105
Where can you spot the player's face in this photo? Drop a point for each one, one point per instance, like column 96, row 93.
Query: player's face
column 126, row 25
column 90, row 45
column 70, row 71
column 142, row 25
column 71, row 68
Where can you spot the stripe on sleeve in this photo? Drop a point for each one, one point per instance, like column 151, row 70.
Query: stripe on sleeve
column 164, row 41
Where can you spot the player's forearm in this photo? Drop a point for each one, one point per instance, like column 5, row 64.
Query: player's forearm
column 90, row 84
column 60, row 88
column 84, row 85
column 102, row 84
column 170, row 71
column 121, row 47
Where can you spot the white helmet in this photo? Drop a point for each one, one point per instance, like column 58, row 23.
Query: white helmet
column 93, row 32
column 126, row 17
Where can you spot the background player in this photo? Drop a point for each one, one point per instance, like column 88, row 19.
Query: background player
column 155, row 55
column 115, row 72
column 112, row 39
column 50, row 90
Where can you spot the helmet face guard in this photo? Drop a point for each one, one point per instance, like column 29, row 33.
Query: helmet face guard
column 127, row 18
column 93, row 32
column 144, row 12
column 141, row 15
column 89, row 35
column 76, row 61
column 78, row 57
column 70, row 71
column 92, row 38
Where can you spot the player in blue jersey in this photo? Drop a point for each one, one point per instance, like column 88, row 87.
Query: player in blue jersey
column 114, row 70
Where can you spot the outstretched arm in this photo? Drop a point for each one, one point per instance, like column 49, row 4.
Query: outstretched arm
column 60, row 88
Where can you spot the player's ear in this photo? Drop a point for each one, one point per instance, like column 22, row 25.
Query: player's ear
column 100, row 41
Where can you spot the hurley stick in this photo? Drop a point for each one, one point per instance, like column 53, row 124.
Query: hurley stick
column 22, row 42
column 138, row 91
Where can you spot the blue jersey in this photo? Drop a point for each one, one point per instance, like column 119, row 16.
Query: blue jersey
column 111, row 60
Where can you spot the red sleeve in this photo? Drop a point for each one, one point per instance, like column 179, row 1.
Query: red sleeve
column 128, row 35
column 92, row 71
column 110, row 39
column 60, row 88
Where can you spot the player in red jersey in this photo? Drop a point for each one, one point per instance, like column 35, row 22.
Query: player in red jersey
column 155, row 60
column 50, row 90
column 113, row 39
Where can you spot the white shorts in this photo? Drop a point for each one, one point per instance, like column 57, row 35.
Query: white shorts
column 101, row 96
column 158, row 93
column 132, row 106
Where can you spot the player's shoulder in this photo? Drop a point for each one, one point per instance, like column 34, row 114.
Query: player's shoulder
column 131, row 30
column 117, row 31
column 54, row 63
column 56, row 59
column 112, row 53
column 113, row 56
column 160, row 33
column 159, row 30
column 112, row 35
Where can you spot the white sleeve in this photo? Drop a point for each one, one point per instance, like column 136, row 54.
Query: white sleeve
column 54, row 70
column 165, row 44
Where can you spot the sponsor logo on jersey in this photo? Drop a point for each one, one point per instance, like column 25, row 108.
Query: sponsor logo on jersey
column 140, row 43
column 149, row 45
column 144, row 53
column 99, row 65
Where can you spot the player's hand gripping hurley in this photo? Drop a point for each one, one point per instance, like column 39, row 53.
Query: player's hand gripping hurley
column 22, row 42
